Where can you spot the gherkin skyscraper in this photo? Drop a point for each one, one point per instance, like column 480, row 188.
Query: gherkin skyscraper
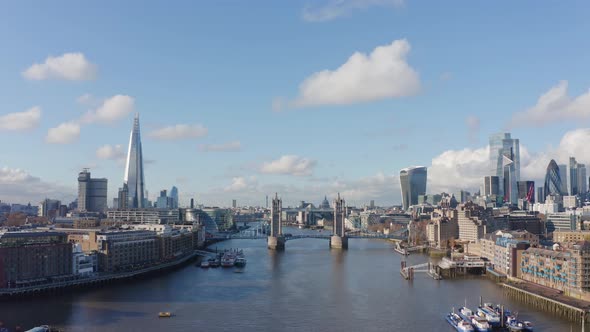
column 134, row 168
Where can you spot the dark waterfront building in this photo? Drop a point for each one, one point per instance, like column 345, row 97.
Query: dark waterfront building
column 413, row 184
column 32, row 257
column 92, row 193
column 553, row 181
column 128, row 250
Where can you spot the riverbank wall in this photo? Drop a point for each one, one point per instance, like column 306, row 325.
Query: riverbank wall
column 559, row 305
column 96, row 281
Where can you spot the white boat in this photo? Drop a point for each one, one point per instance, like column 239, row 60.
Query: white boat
column 204, row 264
column 479, row 323
column 489, row 313
column 459, row 323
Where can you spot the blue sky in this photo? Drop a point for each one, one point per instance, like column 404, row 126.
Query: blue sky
column 234, row 76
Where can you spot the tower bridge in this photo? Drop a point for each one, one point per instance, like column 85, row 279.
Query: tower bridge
column 338, row 239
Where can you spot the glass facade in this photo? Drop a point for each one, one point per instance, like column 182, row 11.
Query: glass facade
column 505, row 164
column 134, row 169
column 413, row 184
column 553, row 180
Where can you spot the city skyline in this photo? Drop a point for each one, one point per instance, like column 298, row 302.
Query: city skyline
column 69, row 98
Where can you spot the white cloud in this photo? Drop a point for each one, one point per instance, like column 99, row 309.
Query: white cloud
column 65, row 133
column 289, row 165
column 240, row 184
column 382, row 187
column 18, row 186
column 111, row 152
column 111, row 110
column 465, row 169
column 553, row 106
column 382, row 74
column 458, row 169
column 232, row 146
column 179, row 131
column 21, row 120
column 69, row 66
column 333, row 9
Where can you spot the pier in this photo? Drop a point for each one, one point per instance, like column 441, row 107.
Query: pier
column 550, row 301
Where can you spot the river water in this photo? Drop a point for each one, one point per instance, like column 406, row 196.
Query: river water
column 308, row 287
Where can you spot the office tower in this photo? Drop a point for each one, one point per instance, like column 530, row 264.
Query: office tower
column 123, row 197
column 572, row 177
column 192, row 203
column 174, row 197
column 49, row 208
column 372, row 204
column 92, row 193
column 582, row 185
column 234, row 203
column 563, row 175
column 553, row 180
column 412, row 183
column 491, row 185
column 540, row 195
column 505, row 164
column 526, row 191
column 134, row 169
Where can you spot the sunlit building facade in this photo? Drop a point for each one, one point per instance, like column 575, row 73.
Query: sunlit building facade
column 505, row 164
column 413, row 184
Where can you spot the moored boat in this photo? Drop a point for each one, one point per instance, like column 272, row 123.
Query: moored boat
column 514, row 324
column 458, row 323
column 489, row 313
column 479, row 323
column 205, row 264
column 240, row 262
column 214, row 262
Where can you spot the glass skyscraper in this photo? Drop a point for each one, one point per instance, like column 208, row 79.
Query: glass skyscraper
column 553, row 180
column 505, row 164
column 413, row 184
column 134, row 169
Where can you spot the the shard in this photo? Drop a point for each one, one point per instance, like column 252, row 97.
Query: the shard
column 134, row 169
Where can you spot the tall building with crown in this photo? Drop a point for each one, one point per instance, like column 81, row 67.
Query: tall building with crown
column 134, row 169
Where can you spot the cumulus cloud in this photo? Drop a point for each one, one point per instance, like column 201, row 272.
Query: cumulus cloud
column 240, row 183
column 65, row 133
column 111, row 110
column 69, row 66
column 18, row 186
column 21, row 120
column 232, row 146
column 179, row 131
column 553, row 106
column 289, row 165
column 464, row 169
column 382, row 74
column 111, row 152
column 333, row 9
column 473, row 125
column 458, row 169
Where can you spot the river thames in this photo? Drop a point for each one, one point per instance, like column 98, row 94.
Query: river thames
column 305, row 288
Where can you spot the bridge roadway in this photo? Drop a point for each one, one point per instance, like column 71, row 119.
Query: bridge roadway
column 311, row 236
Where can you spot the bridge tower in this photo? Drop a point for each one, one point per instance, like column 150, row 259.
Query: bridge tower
column 276, row 240
column 339, row 239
